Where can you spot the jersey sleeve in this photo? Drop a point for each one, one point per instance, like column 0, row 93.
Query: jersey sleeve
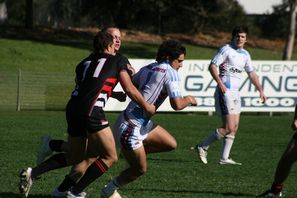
column 220, row 56
column 248, row 66
column 173, row 84
column 123, row 63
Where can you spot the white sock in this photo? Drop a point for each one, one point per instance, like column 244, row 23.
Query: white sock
column 111, row 187
column 213, row 136
column 227, row 145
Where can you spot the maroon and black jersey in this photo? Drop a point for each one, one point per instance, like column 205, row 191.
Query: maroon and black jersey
column 96, row 76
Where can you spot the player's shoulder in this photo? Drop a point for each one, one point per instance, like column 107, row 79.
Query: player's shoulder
column 172, row 74
column 120, row 56
column 225, row 48
column 244, row 52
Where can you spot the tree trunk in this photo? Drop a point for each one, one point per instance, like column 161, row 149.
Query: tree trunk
column 288, row 51
column 29, row 14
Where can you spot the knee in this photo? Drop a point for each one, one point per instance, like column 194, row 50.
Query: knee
column 230, row 130
column 114, row 158
column 77, row 173
column 172, row 145
column 111, row 159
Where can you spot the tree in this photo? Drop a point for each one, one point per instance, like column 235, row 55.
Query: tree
column 291, row 34
column 29, row 14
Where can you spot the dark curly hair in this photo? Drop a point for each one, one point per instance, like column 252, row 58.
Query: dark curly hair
column 171, row 49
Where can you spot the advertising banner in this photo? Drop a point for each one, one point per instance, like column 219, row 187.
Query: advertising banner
column 278, row 79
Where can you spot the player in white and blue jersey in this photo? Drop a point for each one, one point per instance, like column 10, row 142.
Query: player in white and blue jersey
column 134, row 131
column 231, row 60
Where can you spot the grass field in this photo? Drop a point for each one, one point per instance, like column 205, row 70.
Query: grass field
column 57, row 57
column 259, row 144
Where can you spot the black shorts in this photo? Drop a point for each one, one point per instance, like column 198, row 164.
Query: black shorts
column 80, row 124
column 295, row 136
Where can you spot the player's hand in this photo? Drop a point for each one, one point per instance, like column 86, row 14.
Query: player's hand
column 193, row 101
column 263, row 98
column 223, row 88
column 131, row 70
column 151, row 109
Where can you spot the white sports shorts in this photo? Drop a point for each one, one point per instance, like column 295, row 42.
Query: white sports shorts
column 128, row 135
column 228, row 103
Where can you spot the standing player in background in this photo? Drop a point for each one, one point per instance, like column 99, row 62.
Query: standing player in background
column 285, row 164
column 134, row 130
column 232, row 59
column 89, row 135
column 48, row 145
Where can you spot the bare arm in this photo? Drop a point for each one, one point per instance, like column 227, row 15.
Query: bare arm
column 182, row 102
column 255, row 80
column 215, row 74
column 133, row 93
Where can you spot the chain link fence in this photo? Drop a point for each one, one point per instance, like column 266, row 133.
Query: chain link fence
column 27, row 90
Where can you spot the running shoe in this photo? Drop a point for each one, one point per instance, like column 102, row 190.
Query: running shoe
column 114, row 194
column 269, row 193
column 202, row 154
column 229, row 161
column 25, row 182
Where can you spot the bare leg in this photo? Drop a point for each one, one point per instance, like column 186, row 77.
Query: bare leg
column 285, row 163
column 159, row 140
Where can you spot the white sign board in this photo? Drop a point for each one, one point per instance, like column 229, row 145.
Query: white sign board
column 278, row 79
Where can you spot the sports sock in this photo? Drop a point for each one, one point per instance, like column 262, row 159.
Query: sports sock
column 54, row 162
column 66, row 184
column 213, row 136
column 56, row 145
column 227, row 145
column 111, row 187
column 95, row 170
column 276, row 188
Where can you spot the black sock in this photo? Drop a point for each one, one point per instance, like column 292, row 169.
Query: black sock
column 54, row 162
column 66, row 184
column 94, row 171
column 56, row 145
column 276, row 188
column 57, row 160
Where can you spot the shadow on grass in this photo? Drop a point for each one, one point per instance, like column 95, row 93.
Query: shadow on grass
column 221, row 194
column 16, row 195
column 169, row 160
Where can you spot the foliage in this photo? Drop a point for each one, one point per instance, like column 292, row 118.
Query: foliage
column 276, row 24
column 16, row 12
column 162, row 16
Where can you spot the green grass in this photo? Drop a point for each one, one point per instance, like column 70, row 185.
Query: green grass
column 258, row 145
column 57, row 57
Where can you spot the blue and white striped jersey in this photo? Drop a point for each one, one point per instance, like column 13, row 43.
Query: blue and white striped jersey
column 155, row 81
column 231, row 63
